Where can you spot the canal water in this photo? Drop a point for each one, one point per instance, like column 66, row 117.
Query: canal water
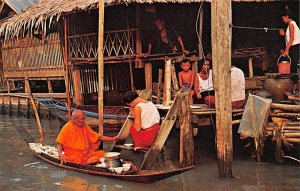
column 21, row 170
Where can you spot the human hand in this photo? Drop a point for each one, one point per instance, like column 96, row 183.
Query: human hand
column 281, row 32
column 185, row 52
column 198, row 95
column 285, row 53
column 115, row 138
column 131, row 109
column 62, row 159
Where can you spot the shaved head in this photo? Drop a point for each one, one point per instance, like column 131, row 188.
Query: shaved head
column 78, row 118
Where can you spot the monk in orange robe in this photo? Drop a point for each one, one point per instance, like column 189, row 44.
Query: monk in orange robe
column 79, row 142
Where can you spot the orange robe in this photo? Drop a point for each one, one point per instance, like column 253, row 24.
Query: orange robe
column 79, row 143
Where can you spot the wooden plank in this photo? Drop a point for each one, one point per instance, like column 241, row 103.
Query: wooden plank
column 124, row 132
column 221, row 55
column 29, row 74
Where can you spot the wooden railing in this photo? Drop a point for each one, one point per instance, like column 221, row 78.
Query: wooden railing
column 116, row 43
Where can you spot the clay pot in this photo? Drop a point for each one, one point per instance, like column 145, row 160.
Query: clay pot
column 277, row 86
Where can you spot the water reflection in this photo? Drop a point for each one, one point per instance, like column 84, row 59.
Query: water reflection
column 26, row 172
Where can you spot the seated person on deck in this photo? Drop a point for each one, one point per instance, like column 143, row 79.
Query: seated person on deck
column 79, row 142
column 203, row 82
column 238, row 99
column 146, row 120
column 186, row 77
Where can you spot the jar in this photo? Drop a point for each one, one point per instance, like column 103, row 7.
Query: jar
column 276, row 86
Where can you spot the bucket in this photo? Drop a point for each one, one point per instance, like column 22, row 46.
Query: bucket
column 284, row 67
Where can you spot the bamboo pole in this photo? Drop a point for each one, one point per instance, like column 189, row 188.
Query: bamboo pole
column 37, row 117
column 294, row 140
column 167, row 83
column 67, row 68
column 250, row 65
column 200, row 48
column 286, row 107
column 221, row 55
column 159, row 85
column 100, row 65
column 287, row 115
column 291, row 134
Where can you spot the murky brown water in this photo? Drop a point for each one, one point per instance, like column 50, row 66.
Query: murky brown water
column 21, row 170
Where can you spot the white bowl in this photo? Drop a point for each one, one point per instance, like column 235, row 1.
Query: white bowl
column 126, row 167
column 128, row 144
column 118, row 169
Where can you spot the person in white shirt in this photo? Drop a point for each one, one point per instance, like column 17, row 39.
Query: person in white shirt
column 238, row 98
column 292, row 39
column 146, row 120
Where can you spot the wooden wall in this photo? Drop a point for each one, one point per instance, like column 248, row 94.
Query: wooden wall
column 33, row 57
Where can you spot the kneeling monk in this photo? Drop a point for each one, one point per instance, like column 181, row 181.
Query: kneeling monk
column 146, row 120
column 79, row 142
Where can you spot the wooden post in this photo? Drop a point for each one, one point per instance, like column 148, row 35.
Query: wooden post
column 138, row 41
column 221, row 56
column 186, row 149
column 50, row 90
column 159, row 85
column 19, row 108
column 8, row 86
column 174, row 78
column 148, row 75
column 28, row 108
column 2, row 105
column 250, row 65
column 131, row 75
column 9, row 106
column 100, row 65
column 77, row 90
column 167, row 83
column 37, row 117
column 67, row 68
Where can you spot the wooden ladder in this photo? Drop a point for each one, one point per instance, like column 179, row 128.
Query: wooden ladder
column 162, row 135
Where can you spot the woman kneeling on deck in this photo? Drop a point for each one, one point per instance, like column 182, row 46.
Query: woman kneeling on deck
column 146, row 120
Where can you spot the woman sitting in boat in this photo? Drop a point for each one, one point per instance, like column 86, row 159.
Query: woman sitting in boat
column 146, row 120
column 79, row 142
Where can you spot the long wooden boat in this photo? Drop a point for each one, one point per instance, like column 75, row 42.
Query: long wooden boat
column 143, row 176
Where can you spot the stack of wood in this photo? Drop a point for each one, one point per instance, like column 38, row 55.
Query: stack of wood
column 285, row 126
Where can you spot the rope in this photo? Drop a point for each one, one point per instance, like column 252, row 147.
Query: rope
column 266, row 29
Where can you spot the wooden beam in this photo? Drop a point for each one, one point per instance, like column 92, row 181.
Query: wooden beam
column 221, row 56
column 30, row 74
column 100, row 64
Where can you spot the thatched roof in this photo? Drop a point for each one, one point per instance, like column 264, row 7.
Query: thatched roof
column 41, row 14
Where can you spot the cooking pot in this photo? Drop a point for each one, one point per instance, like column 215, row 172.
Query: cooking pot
column 112, row 159
column 284, row 66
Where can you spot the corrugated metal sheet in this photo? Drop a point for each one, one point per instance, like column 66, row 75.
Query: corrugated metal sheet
column 20, row 5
